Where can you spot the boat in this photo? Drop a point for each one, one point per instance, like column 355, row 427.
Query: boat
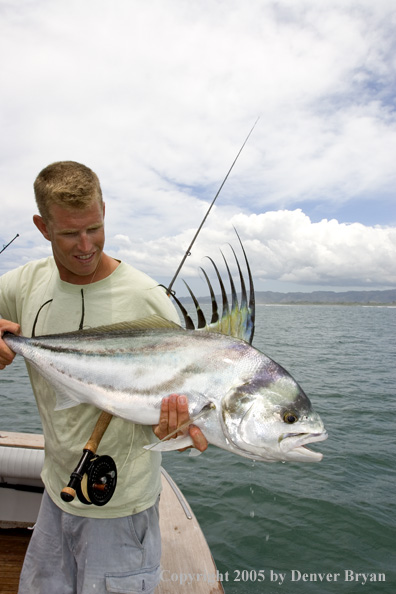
column 185, row 551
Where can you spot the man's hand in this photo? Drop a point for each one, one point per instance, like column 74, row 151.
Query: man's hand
column 174, row 412
column 6, row 354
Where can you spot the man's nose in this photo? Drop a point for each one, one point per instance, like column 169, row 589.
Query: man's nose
column 84, row 244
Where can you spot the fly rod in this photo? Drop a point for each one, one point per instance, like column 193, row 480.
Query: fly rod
column 188, row 251
column 9, row 243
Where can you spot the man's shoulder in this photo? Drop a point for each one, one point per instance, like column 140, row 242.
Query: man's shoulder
column 144, row 294
column 31, row 268
column 135, row 274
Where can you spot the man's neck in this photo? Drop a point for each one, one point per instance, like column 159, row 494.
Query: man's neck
column 105, row 268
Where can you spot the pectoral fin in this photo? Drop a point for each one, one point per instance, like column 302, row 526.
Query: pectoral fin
column 182, row 441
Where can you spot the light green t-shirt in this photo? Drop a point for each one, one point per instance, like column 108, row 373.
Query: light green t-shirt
column 127, row 294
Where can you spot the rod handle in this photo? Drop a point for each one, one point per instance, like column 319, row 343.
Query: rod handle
column 68, row 493
column 97, row 434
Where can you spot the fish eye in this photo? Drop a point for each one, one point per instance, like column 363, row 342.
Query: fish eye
column 290, row 417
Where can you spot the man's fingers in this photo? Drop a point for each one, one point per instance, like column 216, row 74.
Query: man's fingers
column 174, row 413
column 7, row 326
column 199, row 439
column 6, row 354
column 161, row 430
column 6, row 357
column 173, row 419
column 182, row 410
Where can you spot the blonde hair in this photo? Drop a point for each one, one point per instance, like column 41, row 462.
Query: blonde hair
column 68, row 184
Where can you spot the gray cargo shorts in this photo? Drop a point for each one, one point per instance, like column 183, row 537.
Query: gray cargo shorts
column 69, row 554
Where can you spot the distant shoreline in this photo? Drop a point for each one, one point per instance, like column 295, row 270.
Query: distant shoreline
column 336, row 303
column 386, row 298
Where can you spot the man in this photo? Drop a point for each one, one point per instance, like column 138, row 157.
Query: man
column 77, row 548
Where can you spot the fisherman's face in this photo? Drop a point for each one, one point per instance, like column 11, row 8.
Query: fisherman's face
column 77, row 238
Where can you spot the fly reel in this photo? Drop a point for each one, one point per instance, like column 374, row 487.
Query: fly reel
column 98, row 484
column 95, row 477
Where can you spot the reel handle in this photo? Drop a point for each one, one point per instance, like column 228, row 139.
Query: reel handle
column 68, row 493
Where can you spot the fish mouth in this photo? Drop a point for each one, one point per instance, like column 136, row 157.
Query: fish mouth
column 294, row 446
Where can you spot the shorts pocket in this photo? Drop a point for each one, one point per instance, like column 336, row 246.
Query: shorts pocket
column 133, row 583
column 145, row 531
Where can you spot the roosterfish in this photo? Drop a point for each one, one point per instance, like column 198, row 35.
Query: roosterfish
column 242, row 400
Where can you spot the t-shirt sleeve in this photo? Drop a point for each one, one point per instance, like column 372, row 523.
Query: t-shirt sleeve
column 8, row 292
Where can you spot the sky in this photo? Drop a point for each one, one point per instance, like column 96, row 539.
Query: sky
column 158, row 96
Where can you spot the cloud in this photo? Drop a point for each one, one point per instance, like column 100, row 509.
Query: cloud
column 158, row 96
column 287, row 246
column 285, row 249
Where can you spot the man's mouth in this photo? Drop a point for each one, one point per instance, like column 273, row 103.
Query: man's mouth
column 85, row 257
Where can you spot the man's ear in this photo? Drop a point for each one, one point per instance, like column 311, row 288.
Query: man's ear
column 41, row 226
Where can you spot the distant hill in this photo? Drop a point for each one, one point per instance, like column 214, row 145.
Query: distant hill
column 387, row 297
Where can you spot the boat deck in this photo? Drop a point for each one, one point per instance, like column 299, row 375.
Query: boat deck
column 13, row 544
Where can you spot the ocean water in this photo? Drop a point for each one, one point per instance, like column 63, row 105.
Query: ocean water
column 327, row 527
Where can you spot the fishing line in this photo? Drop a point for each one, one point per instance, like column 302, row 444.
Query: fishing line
column 37, row 316
column 81, row 326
